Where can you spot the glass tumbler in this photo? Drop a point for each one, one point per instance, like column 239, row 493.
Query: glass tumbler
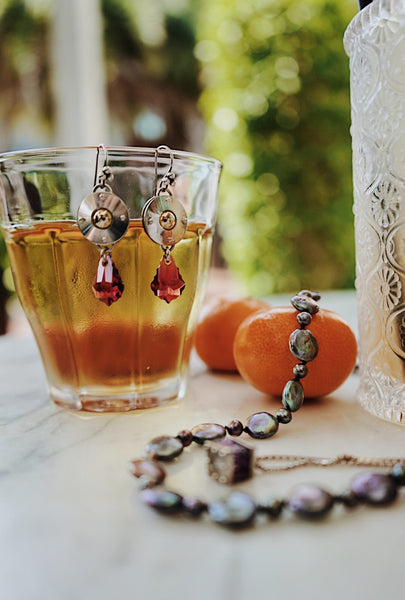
column 131, row 349
column 375, row 43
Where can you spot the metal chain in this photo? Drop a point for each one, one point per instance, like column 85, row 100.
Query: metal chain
column 274, row 462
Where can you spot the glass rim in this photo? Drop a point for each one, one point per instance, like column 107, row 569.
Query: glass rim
column 127, row 151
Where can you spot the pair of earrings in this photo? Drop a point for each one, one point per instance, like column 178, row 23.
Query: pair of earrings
column 103, row 219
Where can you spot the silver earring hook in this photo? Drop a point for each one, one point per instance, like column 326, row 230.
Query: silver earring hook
column 168, row 177
column 101, row 175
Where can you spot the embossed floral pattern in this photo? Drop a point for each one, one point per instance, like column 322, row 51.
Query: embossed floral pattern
column 388, row 288
column 375, row 42
column 383, row 30
column 385, row 204
column 401, row 331
column 363, row 75
column 384, row 114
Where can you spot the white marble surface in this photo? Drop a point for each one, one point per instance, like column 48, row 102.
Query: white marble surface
column 71, row 527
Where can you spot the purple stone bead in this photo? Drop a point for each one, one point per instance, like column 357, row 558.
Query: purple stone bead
column 374, row 488
column 237, row 510
column 161, row 499
column 261, row 425
column 229, row 461
column 207, row 431
column 310, row 501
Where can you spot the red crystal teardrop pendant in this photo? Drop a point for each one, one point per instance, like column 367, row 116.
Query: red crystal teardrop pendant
column 167, row 283
column 107, row 284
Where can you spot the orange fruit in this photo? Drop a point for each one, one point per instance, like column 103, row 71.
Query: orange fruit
column 219, row 321
column 263, row 358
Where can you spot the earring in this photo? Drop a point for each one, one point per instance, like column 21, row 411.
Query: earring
column 103, row 219
column 165, row 222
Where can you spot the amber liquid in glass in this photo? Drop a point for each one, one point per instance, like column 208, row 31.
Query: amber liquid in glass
column 128, row 355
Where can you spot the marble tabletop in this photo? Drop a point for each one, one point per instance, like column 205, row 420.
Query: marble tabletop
column 71, row 526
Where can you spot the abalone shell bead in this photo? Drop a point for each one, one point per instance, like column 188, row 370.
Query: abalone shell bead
column 162, row 499
column 374, row 488
column 185, row 436
column 237, row 510
column 303, row 345
column 151, row 472
column 293, row 395
column 234, row 428
column 309, row 501
column 304, row 319
column 164, row 447
column 314, row 295
column 207, row 431
column 283, row 416
column 261, row 425
column 398, row 473
column 305, row 304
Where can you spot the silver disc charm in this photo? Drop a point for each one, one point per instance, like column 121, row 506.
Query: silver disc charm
column 164, row 219
column 103, row 217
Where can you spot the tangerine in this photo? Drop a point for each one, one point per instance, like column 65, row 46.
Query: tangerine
column 217, row 327
column 263, row 358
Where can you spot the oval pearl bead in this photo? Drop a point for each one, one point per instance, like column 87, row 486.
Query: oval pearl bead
column 162, row 500
column 310, row 501
column 149, row 470
column 305, row 303
column 374, row 488
column 164, row 447
column 236, row 510
column 293, row 395
column 303, row 345
column 261, row 425
column 207, row 431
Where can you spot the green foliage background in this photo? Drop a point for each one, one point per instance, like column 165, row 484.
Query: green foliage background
column 276, row 98
column 271, row 80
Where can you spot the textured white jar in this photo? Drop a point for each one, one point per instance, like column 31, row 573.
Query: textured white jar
column 375, row 43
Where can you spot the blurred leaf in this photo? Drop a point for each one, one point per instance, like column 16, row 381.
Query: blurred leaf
column 286, row 79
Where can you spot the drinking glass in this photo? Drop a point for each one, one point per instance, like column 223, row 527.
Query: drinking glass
column 375, row 42
column 134, row 353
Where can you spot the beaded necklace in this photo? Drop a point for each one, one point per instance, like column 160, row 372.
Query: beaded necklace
column 231, row 462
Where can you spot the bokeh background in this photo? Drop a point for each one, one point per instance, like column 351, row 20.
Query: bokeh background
column 262, row 85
